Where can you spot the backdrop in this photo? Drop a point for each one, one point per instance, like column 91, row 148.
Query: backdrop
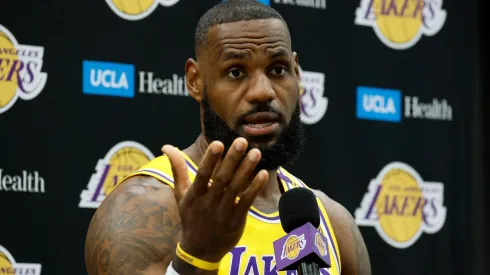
column 90, row 90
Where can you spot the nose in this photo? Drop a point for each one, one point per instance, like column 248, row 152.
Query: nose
column 260, row 90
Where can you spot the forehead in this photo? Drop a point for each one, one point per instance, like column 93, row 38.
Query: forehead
column 253, row 34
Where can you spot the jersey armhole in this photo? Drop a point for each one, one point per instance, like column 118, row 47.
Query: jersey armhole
column 330, row 229
column 166, row 179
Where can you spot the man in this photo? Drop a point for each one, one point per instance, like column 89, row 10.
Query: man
column 212, row 208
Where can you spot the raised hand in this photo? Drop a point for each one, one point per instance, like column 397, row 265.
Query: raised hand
column 212, row 219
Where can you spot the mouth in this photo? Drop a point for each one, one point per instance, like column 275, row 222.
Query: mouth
column 261, row 123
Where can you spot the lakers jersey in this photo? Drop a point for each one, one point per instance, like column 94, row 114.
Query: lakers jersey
column 254, row 253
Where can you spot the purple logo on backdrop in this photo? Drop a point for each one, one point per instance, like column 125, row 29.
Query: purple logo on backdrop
column 137, row 10
column 313, row 103
column 20, row 70
column 8, row 265
column 302, row 242
column 401, row 206
column 122, row 160
column 401, row 24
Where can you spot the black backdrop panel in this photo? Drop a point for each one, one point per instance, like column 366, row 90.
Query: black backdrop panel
column 90, row 90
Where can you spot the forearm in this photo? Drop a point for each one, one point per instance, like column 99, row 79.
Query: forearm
column 183, row 268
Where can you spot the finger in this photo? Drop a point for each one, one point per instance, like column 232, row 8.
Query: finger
column 179, row 171
column 206, row 167
column 251, row 193
column 240, row 181
column 227, row 168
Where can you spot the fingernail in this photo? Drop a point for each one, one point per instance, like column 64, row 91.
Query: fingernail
column 240, row 146
column 261, row 175
column 253, row 156
column 215, row 149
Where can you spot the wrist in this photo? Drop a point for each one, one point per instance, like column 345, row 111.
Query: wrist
column 200, row 254
column 182, row 267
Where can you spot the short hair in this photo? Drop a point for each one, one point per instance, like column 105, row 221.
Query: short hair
column 229, row 12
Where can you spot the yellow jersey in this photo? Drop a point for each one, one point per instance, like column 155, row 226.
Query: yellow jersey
column 254, row 253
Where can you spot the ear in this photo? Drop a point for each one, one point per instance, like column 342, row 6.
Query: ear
column 194, row 79
column 296, row 66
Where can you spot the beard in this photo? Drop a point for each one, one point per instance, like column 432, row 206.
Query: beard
column 289, row 144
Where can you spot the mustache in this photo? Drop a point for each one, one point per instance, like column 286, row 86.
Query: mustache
column 259, row 108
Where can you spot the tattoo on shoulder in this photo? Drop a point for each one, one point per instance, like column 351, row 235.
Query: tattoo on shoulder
column 132, row 230
column 362, row 255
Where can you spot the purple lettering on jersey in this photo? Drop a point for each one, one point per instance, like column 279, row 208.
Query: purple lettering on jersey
column 323, row 271
column 252, row 266
column 268, row 268
column 236, row 257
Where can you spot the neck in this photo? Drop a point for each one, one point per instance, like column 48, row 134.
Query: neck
column 196, row 152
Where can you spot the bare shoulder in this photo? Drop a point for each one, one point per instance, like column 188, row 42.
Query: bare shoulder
column 135, row 229
column 353, row 251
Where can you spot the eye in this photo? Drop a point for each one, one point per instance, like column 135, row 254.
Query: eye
column 278, row 71
column 235, row 73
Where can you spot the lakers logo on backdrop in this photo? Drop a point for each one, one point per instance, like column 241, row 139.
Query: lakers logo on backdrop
column 123, row 159
column 8, row 266
column 20, row 70
column 137, row 9
column 401, row 206
column 400, row 24
column 312, row 102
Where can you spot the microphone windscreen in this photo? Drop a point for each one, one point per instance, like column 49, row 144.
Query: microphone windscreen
column 297, row 207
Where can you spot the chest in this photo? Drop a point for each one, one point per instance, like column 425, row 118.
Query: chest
column 254, row 254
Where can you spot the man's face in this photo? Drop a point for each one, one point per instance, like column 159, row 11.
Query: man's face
column 251, row 89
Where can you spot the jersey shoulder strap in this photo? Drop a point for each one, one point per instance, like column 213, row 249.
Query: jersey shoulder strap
column 160, row 168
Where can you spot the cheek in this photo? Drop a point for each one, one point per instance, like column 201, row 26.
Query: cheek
column 291, row 96
column 225, row 105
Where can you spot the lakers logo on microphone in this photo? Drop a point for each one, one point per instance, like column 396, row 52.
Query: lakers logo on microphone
column 123, row 159
column 400, row 24
column 401, row 206
column 20, row 70
column 9, row 266
column 293, row 246
column 321, row 245
column 137, row 9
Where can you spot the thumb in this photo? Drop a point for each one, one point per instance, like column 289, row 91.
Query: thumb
column 179, row 170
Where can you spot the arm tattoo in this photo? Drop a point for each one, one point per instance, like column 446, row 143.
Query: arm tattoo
column 133, row 230
column 362, row 256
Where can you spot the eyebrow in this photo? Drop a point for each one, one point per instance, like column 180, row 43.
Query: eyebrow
column 278, row 53
column 234, row 55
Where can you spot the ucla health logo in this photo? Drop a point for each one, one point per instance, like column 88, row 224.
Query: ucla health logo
column 379, row 104
column 386, row 105
column 106, row 78
column 400, row 24
column 137, row 9
column 401, row 206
